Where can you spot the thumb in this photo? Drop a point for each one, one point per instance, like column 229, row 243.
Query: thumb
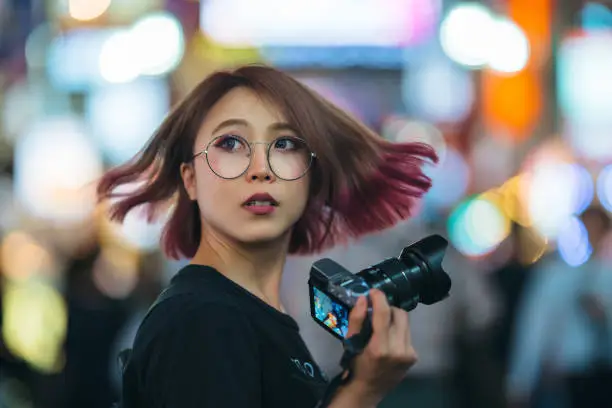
column 357, row 316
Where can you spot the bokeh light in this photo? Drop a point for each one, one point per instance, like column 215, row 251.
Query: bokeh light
column 477, row 226
column 23, row 101
column 87, row 9
column 74, row 59
column 22, row 257
column 465, row 34
column 604, row 187
column 451, row 178
column 122, row 117
column 381, row 23
column 437, row 90
column 573, row 243
column 115, row 272
column 118, row 63
column 555, row 192
column 509, row 50
column 585, row 91
column 34, row 324
column 56, row 165
column 473, row 36
column 595, row 17
column 158, row 43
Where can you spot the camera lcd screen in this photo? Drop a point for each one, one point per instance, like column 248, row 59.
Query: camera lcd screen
column 330, row 313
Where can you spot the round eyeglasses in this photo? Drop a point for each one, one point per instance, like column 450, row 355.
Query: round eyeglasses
column 229, row 156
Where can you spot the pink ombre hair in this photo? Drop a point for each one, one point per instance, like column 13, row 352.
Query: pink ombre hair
column 360, row 182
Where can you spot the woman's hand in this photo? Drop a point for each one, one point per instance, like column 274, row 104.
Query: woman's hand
column 389, row 353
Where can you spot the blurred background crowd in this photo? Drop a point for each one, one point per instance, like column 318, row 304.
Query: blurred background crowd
column 515, row 95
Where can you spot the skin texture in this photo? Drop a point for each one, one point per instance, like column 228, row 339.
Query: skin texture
column 220, row 201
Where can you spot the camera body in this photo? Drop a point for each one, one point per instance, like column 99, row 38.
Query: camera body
column 415, row 276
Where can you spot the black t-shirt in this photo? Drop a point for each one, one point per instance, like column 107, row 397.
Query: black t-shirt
column 220, row 346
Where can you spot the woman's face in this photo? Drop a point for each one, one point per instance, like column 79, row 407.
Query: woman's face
column 225, row 205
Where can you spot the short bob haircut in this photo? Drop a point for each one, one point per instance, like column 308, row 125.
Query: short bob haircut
column 360, row 182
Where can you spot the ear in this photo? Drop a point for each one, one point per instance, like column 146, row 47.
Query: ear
column 189, row 180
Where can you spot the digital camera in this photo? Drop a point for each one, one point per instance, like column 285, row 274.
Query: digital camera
column 415, row 276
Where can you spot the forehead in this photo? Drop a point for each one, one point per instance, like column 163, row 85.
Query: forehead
column 243, row 103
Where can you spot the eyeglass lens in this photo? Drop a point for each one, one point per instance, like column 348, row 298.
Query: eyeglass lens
column 229, row 157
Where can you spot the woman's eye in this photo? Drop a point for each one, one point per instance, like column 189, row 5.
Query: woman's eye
column 230, row 143
column 285, row 143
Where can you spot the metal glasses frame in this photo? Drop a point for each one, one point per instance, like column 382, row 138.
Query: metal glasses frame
column 204, row 152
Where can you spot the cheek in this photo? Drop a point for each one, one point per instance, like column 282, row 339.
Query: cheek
column 210, row 192
column 298, row 193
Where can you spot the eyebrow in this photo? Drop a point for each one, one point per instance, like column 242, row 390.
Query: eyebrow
column 241, row 122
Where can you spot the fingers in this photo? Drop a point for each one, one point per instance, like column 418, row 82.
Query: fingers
column 399, row 332
column 381, row 319
column 400, row 342
column 357, row 316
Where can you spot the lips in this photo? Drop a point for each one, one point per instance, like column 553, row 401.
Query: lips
column 260, row 200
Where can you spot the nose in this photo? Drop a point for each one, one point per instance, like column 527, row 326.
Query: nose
column 259, row 168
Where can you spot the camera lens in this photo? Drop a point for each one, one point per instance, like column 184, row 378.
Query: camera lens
column 416, row 276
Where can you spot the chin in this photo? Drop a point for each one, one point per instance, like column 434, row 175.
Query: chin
column 262, row 234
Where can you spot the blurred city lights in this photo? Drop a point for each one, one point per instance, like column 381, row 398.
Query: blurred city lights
column 23, row 102
column 514, row 201
column 604, row 187
column 590, row 141
column 74, row 59
column 585, row 89
column 118, row 63
column 37, row 44
column 509, row 51
column 115, row 272
column 473, row 36
column 438, row 90
column 34, row 324
column 122, row 117
column 584, row 186
column 512, row 104
column 22, row 257
column 130, row 10
column 573, row 243
column 596, row 17
column 85, row 10
column 450, row 178
column 386, row 23
column 477, row 226
column 465, row 34
column 158, row 43
column 55, row 166
column 556, row 191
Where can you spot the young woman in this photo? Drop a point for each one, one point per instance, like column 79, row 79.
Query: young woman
column 257, row 167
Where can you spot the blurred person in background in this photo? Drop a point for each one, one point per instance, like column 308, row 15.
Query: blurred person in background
column 509, row 281
column 261, row 167
column 94, row 322
column 151, row 280
column 562, row 350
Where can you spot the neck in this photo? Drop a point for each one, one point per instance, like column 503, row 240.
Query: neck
column 257, row 268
